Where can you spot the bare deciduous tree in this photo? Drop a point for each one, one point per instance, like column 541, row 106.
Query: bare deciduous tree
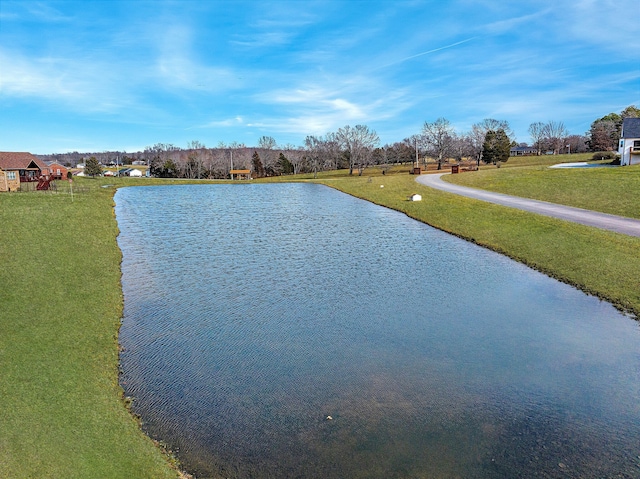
column 322, row 153
column 536, row 131
column 553, row 136
column 194, row 165
column 576, row 144
column 267, row 146
column 604, row 135
column 438, row 138
column 358, row 143
column 295, row 156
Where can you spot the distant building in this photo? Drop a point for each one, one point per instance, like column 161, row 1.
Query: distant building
column 629, row 148
column 240, row 174
column 58, row 171
column 19, row 167
column 522, row 151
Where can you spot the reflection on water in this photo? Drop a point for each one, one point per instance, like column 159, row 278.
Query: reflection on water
column 254, row 312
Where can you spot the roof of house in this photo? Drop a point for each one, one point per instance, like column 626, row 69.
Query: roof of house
column 55, row 163
column 631, row 128
column 522, row 148
column 12, row 160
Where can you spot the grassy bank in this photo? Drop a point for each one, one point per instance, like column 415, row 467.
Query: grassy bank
column 61, row 303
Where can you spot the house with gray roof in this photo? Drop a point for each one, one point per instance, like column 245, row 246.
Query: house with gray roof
column 629, row 148
column 522, row 151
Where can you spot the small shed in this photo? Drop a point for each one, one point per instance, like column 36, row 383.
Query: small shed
column 415, row 197
column 135, row 172
column 240, row 174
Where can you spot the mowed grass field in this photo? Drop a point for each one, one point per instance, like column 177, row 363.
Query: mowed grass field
column 608, row 190
column 61, row 408
column 61, row 303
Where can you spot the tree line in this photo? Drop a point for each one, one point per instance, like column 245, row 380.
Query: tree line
column 358, row 147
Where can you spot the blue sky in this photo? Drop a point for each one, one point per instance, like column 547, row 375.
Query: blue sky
column 121, row 75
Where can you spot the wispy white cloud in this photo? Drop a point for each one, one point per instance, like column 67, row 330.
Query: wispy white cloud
column 51, row 78
column 178, row 69
column 262, row 40
column 514, row 23
column 72, row 83
column 317, row 99
column 32, row 10
column 317, row 109
column 275, row 26
column 594, row 21
column 180, row 73
column 227, row 122
column 316, row 106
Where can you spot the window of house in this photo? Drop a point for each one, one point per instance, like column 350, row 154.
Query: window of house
column 11, row 175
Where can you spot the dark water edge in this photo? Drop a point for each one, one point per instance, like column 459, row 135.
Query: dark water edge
column 241, row 337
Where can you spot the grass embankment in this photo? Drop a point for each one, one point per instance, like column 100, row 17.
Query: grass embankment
column 60, row 307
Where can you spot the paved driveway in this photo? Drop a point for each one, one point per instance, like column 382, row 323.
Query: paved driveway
column 619, row 224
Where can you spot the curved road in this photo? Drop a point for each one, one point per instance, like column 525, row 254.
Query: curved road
column 618, row 224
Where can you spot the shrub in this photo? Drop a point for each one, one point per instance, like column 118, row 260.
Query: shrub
column 604, row 155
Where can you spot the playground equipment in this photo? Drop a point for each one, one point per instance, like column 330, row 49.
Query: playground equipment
column 44, row 183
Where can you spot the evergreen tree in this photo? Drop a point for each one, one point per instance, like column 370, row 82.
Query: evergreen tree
column 284, row 165
column 496, row 147
column 92, row 167
column 258, row 168
column 168, row 169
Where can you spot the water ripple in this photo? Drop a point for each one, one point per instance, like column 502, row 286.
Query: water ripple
column 253, row 312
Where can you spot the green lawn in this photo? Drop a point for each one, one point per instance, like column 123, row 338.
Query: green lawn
column 61, row 303
column 62, row 409
column 609, row 190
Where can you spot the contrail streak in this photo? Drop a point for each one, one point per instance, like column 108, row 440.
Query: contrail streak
column 429, row 51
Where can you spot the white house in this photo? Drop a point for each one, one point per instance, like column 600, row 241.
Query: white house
column 135, row 172
column 629, row 148
column 415, row 197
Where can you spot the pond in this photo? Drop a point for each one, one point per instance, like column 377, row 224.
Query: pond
column 294, row 331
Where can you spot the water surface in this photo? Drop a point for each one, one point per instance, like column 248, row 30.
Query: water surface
column 254, row 312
